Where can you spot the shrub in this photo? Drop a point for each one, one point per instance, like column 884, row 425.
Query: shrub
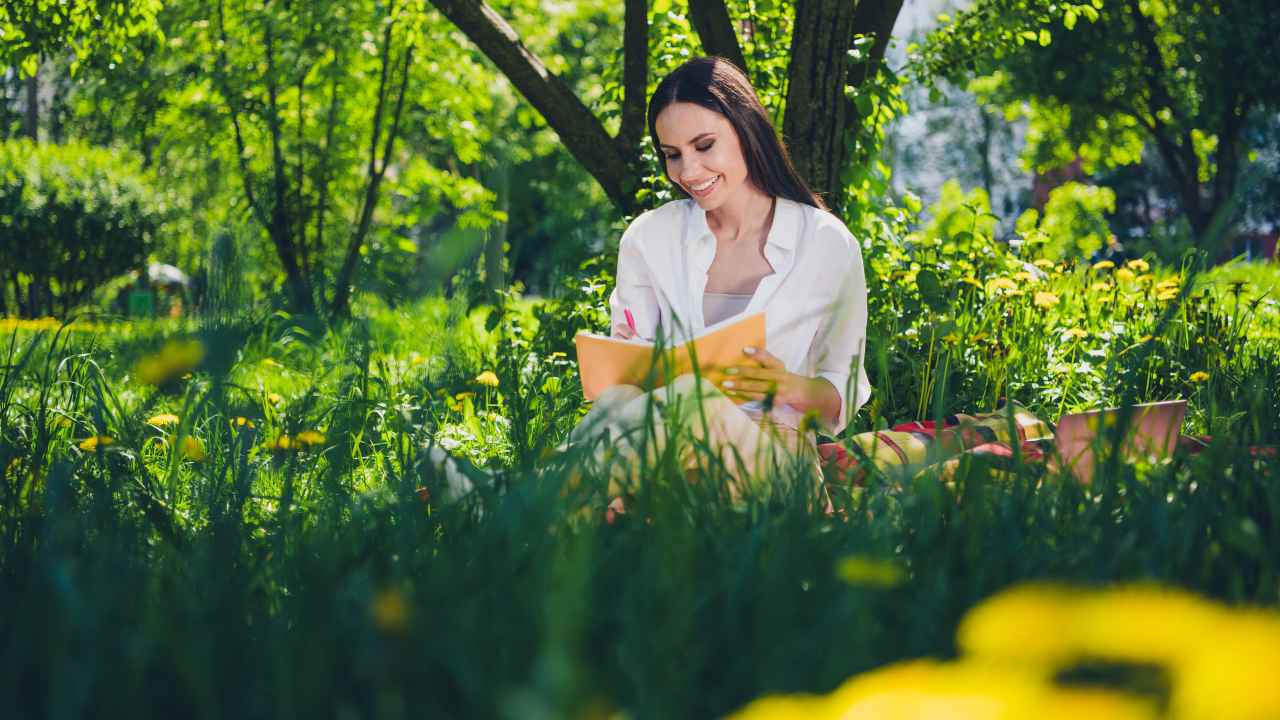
column 71, row 217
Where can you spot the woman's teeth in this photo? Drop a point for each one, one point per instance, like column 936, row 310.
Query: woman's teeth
column 704, row 188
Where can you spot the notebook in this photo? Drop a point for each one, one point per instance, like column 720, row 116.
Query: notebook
column 605, row 361
column 1152, row 433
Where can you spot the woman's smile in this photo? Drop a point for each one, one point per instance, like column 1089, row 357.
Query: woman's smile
column 704, row 188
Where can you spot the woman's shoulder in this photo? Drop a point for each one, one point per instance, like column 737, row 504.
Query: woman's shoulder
column 824, row 231
column 656, row 224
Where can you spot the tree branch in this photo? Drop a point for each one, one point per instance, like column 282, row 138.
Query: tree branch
column 580, row 131
column 710, row 19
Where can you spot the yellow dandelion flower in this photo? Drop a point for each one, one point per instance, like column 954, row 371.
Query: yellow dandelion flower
column 1167, row 295
column 272, row 362
column 488, row 378
column 1025, row 277
column 1102, row 265
column 1045, row 299
column 415, row 358
column 283, row 442
column 1043, row 263
column 1145, row 279
column 465, row 395
column 190, row 448
column 243, row 422
column 1074, row 334
column 1138, row 265
column 1125, row 275
column 275, row 398
column 970, row 280
column 1170, row 284
column 1199, row 376
column 1001, row 283
column 1103, row 287
column 389, row 610
column 310, row 438
column 97, row 441
column 163, row 420
column 860, row 570
column 175, row 359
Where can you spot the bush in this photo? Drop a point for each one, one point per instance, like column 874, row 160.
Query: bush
column 71, row 217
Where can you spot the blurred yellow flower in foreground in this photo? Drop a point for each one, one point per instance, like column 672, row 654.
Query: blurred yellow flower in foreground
column 1167, row 295
column 95, row 442
column 860, row 570
column 488, row 378
column 274, row 398
column 243, row 422
column 283, row 442
column 190, row 448
column 1125, row 274
column 176, row 358
column 1199, row 376
column 1220, row 662
column 957, row 691
column 389, row 610
column 1045, row 299
column 309, row 438
column 1074, row 334
column 1025, row 277
column 1043, row 263
column 1138, row 265
column 163, row 420
column 1103, row 265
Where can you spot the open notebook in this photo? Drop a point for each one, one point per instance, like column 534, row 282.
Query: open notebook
column 605, row 361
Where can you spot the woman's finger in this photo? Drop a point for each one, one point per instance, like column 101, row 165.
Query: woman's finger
column 762, row 356
column 739, row 384
column 622, row 330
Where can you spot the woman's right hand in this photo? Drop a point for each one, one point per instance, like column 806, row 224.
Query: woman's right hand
column 622, row 330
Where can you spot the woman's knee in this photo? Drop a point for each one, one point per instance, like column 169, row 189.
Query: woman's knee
column 690, row 384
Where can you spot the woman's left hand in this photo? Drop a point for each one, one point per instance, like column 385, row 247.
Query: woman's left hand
column 761, row 374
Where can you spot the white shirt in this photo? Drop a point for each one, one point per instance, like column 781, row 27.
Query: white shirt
column 815, row 301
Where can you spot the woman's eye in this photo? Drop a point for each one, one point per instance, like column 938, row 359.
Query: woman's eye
column 673, row 157
column 706, row 147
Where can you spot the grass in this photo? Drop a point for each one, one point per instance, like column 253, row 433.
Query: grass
column 258, row 580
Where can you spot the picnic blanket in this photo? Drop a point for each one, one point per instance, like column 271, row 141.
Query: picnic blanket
column 914, row 446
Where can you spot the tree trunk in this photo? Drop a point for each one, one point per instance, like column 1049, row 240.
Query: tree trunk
column 495, row 276
column 815, row 120
column 31, row 116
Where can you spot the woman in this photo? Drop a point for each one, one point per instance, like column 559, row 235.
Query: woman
column 749, row 236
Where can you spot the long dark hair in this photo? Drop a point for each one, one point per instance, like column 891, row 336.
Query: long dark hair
column 718, row 85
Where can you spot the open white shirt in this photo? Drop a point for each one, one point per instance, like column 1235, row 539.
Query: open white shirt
column 815, row 301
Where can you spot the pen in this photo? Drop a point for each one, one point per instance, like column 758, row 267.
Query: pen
column 631, row 321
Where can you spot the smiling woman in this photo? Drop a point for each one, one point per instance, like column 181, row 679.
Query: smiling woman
column 750, row 237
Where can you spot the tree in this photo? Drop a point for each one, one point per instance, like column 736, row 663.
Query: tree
column 819, row 70
column 1186, row 77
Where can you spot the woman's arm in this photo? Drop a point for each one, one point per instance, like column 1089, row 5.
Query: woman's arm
column 635, row 290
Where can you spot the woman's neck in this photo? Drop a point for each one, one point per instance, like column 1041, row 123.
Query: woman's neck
column 742, row 216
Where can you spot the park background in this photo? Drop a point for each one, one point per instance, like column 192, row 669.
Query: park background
column 389, row 220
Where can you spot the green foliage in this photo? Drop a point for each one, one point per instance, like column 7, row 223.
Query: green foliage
column 71, row 217
column 33, row 30
column 1185, row 78
column 1075, row 221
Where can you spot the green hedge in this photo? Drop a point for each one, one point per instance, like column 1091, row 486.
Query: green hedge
column 71, row 217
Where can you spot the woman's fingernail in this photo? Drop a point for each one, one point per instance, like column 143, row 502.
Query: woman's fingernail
column 731, row 371
column 749, row 350
column 728, row 384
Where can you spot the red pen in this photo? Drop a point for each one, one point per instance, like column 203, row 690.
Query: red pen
column 631, row 321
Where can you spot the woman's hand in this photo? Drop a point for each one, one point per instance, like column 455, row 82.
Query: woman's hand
column 761, row 375
column 624, row 331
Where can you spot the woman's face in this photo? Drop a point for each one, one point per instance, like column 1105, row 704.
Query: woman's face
column 702, row 153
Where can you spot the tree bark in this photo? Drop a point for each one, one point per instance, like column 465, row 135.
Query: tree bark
column 815, row 120
column 31, row 114
column 581, row 132
column 710, row 19
column 635, row 75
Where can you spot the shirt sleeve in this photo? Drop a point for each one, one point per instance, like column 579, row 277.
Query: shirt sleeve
column 841, row 341
column 635, row 289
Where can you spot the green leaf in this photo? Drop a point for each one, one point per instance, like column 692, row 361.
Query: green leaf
column 931, row 289
column 1069, row 19
column 1045, row 37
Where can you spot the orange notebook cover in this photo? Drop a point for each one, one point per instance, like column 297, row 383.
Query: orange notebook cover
column 605, row 361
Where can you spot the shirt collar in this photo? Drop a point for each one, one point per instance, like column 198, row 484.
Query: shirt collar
column 782, row 234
